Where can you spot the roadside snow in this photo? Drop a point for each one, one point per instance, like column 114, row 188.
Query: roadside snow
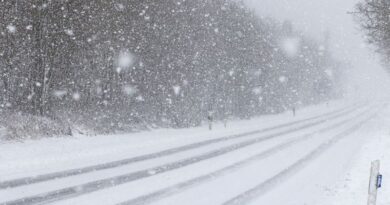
column 352, row 189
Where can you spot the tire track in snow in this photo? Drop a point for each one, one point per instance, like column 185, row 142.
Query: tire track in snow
column 73, row 172
column 255, row 192
column 180, row 187
column 74, row 191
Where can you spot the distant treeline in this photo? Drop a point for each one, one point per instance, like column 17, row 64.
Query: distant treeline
column 111, row 65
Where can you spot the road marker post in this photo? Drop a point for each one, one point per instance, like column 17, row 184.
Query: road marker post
column 375, row 182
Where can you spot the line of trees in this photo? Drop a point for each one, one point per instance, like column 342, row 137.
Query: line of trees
column 111, row 65
column 374, row 18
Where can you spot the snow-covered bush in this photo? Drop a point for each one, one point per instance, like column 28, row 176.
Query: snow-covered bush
column 18, row 126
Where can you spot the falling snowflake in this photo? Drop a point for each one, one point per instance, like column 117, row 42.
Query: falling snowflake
column 118, row 69
column 129, row 90
column 176, row 90
column 257, row 90
column 125, row 60
column 59, row 93
column 290, row 46
column 119, row 7
column 30, row 97
column 140, row 98
column 11, row 28
column 283, row 79
column 329, row 72
column 152, row 172
column 69, row 32
column 76, row 96
column 99, row 90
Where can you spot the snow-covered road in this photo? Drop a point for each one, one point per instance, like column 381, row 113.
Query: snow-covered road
column 269, row 160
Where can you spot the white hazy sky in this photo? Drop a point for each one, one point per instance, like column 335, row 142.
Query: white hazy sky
column 315, row 17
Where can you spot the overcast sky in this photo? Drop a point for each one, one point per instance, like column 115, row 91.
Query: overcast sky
column 315, row 17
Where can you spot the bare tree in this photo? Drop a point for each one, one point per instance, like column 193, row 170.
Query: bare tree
column 374, row 18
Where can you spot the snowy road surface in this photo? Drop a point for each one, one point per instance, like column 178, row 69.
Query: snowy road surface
column 250, row 162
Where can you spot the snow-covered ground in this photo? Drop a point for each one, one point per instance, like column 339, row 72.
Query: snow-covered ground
column 321, row 156
column 352, row 187
column 81, row 151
